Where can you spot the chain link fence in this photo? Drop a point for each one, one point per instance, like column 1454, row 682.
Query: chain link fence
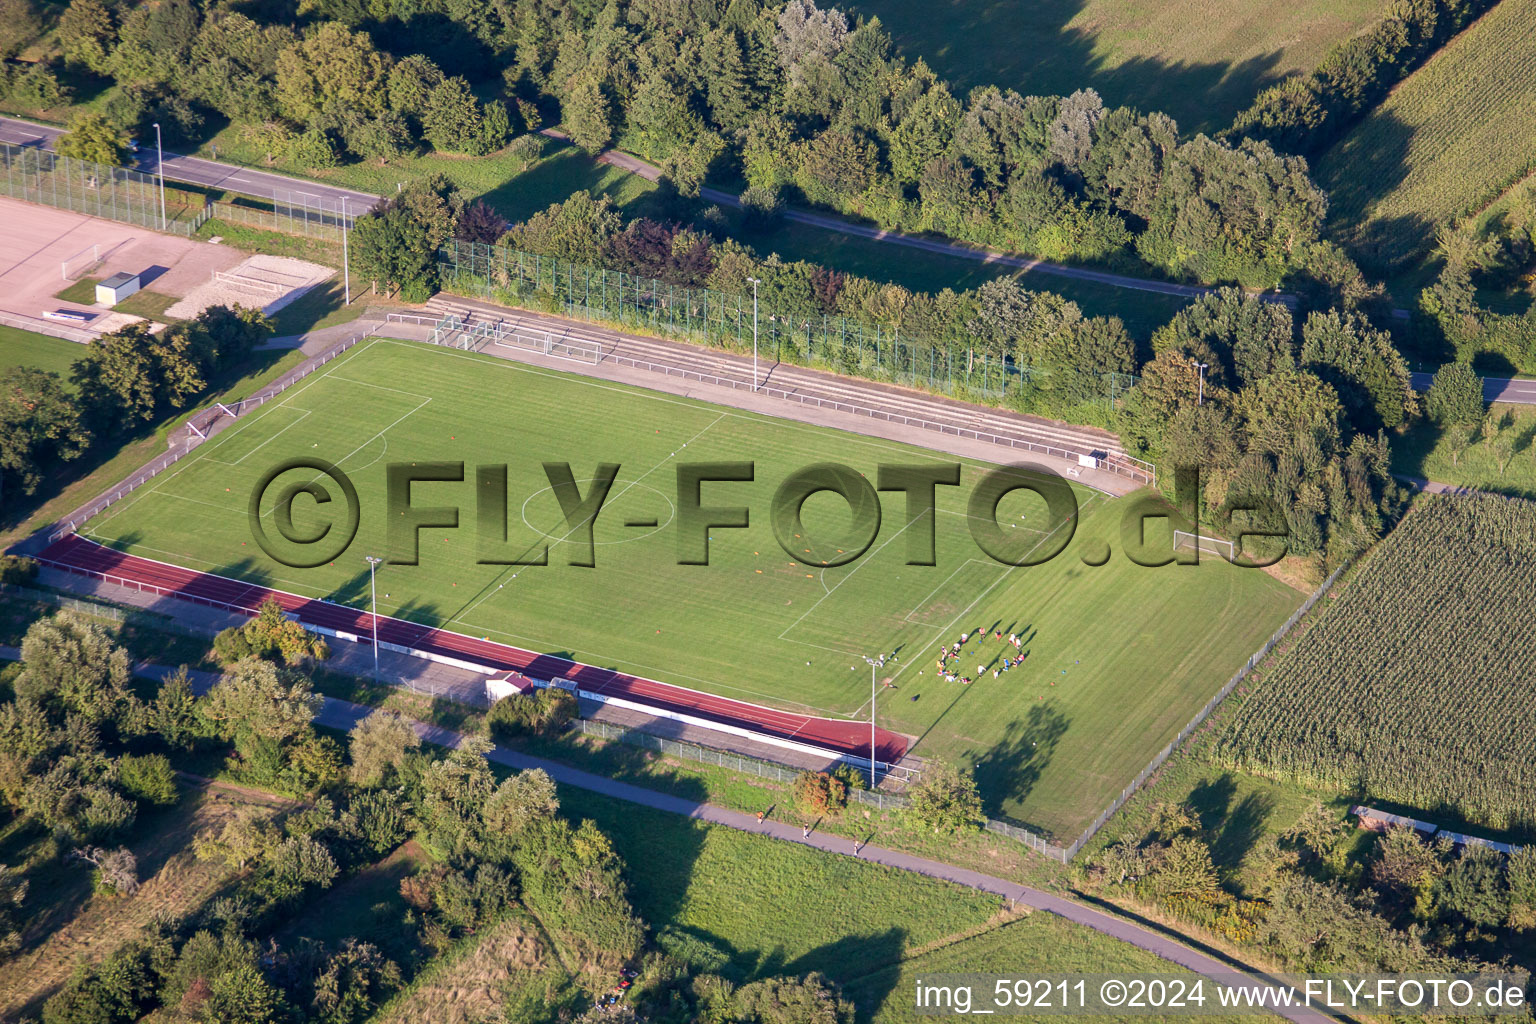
column 113, row 613
column 761, row 769
column 1201, row 715
column 97, row 190
column 293, row 213
column 845, row 346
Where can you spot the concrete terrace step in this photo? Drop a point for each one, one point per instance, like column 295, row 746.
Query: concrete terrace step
column 888, row 399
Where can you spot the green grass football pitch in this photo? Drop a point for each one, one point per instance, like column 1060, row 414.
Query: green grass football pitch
column 1120, row 656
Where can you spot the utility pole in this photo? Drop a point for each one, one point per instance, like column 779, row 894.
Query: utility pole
column 346, row 269
column 1200, row 399
column 160, row 166
column 373, row 593
column 755, row 283
column 874, row 664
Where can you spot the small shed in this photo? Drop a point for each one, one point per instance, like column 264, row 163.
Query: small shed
column 1380, row 821
column 505, row 685
column 116, row 288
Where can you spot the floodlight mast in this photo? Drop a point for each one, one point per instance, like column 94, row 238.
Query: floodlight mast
column 373, row 594
column 874, row 663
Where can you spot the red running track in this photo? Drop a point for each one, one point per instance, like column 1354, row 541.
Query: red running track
column 85, row 557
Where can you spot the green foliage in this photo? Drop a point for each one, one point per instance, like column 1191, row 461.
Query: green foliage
column 72, row 665
column 1303, row 113
column 818, row 793
column 545, row 711
column 173, row 714
column 1439, row 146
column 270, row 635
column 93, row 138
column 148, row 777
column 248, row 837
column 131, row 373
column 88, row 34
column 351, row 983
column 378, row 747
column 116, row 991
column 1403, row 729
column 40, row 426
column 13, row 896
column 944, row 798
column 1455, row 396
column 256, row 698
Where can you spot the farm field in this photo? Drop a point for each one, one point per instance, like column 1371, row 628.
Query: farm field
column 1415, row 683
column 1443, row 145
column 1051, row 741
column 1201, row 63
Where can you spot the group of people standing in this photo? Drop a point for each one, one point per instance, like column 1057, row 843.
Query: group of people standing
column 953, row 652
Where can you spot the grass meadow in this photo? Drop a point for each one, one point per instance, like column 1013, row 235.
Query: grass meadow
column 1503, row 461
column 23, row 348
column 1201, row 63
column 1444, row 144
column 1119, row 657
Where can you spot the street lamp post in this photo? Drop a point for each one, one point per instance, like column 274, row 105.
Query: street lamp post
column 346, row 268
column 1200, row 398
column 160, row 167
column 373, row 594
column 755, row 283
column 874, row 664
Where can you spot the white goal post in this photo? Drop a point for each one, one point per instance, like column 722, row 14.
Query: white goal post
column 81, row 263
column 1185, row 541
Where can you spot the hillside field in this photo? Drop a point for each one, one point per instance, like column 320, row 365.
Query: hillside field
column 1201, row 63
column 1416, row 683
column 1444, row 144
column 1119, row 657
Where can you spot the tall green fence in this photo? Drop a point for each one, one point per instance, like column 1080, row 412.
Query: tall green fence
column 727, row 320
column 97, row 190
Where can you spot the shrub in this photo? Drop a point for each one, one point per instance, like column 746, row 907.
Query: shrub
column 1455, row 396
column 149, row 777
column 819, row 793
column 944, row 798
column 542, row 712
column 17, row 570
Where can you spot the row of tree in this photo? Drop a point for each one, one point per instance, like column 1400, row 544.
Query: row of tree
column 123, row 380
column 1304, row 113
column 791, row 99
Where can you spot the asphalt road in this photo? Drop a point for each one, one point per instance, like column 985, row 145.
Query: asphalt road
column 210, row 173
column 1495, row 389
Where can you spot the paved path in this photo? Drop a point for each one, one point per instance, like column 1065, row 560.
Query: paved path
column 830, row 222
column 1495, row 389
column 344, row 715
column 210, row 173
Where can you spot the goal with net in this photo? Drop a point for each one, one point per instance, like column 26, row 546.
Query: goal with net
column 1186, row 541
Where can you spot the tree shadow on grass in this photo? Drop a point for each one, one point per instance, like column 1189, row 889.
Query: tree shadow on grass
column 1233, row 829
column 1036, row 49
column 1010, row 769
